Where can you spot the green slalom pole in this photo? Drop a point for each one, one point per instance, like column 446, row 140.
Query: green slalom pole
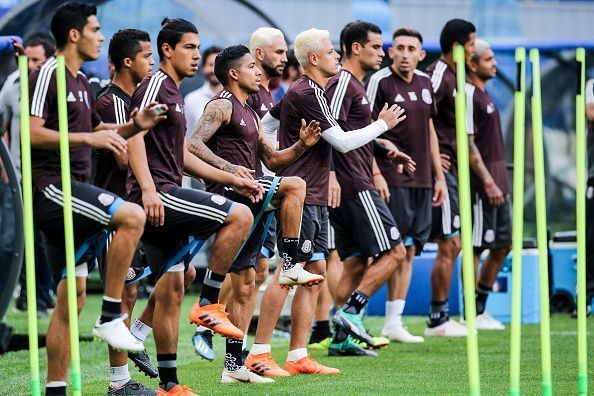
column 466, row 222
column 518, row 222
column 27, row 182
column 541, row 224
column 580, row 197
column 68, row 227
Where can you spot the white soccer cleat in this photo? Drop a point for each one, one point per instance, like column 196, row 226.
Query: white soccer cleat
column 485, row 321
column 298, row 276
column 243, row 375
column 451, row 328
column 401, row 334
column 116, row 333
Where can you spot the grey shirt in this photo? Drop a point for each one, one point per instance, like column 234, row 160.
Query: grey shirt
column 10, row 110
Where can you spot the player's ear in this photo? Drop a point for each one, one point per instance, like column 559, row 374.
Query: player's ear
column 167, row 50
column 422, row 55
column 313, row 58
column 259, row 53
column 127, row 62
column 391, row 52
column 74, row 35
column 233, row 74
column 356, row 48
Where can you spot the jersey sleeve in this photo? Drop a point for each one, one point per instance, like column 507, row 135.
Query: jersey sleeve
column 376, row 95
column 43, row 93
column 315, row 107
column 340, row 102
column 471, row 109
column 590, row 92
column 139, row 93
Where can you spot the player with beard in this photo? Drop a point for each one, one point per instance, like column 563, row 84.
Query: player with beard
column 229, row 130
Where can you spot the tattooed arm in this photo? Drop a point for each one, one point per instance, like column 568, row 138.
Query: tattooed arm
column 477, row 165
column 216, row 113
column 277, row 160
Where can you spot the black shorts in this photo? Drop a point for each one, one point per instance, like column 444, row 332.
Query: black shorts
column 248, row 255
column 188, row 213
column 92, row 211
column 269, row 245
column 364, row 226
column 446, row 218
column 138, row 261
column 491, row 225
column 313, row 238
column 411, row 208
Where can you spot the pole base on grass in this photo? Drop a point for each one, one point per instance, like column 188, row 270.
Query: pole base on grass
column 582, row 384
column 547, row 389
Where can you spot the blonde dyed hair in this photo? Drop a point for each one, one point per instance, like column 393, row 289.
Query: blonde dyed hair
column 308, row 42
column 263, row 37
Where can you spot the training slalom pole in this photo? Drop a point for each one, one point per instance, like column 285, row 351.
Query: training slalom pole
column 541, row 224
column 580, row 197
column 27, row 182
column 518, row 222
column 68, row 227
column 466, row 222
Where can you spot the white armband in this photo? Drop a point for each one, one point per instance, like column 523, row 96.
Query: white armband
column 347, row 141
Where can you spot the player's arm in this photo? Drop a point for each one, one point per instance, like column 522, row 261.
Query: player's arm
column 216, row 113
column 439, row 188
column 140, row 120
column 477, row 165
column 380, row 183
column 275, row 160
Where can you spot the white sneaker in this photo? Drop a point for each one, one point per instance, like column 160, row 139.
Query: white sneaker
column 451, row 328
column 116, row 333
column 485, row 321
column 401, row 334
column 243, row 375
column 298, row 276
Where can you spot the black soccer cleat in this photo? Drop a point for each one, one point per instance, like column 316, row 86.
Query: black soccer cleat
column 143, row 362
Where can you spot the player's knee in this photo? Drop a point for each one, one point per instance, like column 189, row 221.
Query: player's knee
column 501, row 252
column 245, row 290
column 241, row 217
column 189, row 276
column 398, row 254
column 261, row 274
column 295, row 187
column 131, row 216
column 451, row 247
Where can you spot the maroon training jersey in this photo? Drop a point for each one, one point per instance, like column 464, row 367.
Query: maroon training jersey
column 350, row 107
column 164, row 142
column 81, row 118
column 306, row 100
column 113, row 106
column 412, row 135
column 483, row 121
column 443, row 80
column 237, row 141
column 261, row 102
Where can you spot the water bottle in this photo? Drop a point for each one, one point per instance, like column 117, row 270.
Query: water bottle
column 6, row 43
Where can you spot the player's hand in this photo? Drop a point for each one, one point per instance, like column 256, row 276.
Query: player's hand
column 309, row 134
column 381, row 185
column 392, row 116
column 153, row 207
column 403, row 159
column 18, row 47
column 242, row 172
column 446, row 164
column 248, row 188
column 493, row 193
column 440, row 192
column 333, row 191
column 108, row 139
column 150, row 116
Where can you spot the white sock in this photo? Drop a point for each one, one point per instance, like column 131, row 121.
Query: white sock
column 394, row 311
column 55, row 384
column 296, row 354
column 258, row 349
column 140, row 330
column 202, row 329
column 119, row 376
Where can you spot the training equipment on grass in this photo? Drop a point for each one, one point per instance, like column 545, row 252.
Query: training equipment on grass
column 27, row 183
column 580, row 204
column 466, row 222
column 518, row 222
column 541, row 224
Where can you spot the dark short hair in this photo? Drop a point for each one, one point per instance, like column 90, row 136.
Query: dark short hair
column 356, row 32
column 172, row 31
column 45, row 40
column 228, row 59
column 214, row 49
column 291, row 62
column 455, row 31
column 72, row 15
column 124, row 44
column 409, row 32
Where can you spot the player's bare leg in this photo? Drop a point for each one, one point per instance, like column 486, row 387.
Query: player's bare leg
column 484, row 285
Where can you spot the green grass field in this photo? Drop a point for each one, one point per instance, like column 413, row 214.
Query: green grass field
column 436, row 367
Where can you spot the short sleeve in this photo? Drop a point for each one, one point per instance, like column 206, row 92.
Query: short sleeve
column 590, row 92
column 139, row 94
column 43, row 92
column 470, row 109
column 315, row 106
column 340, row 102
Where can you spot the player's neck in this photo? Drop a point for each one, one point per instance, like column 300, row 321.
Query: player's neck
column 477, row 81
column 315, row 75
column 72, row 58
column 449, row 60
column 406, row 77
column 124, row 82
column 354, row 67
column 167, row 67
column 240, row 94
column 264, row 78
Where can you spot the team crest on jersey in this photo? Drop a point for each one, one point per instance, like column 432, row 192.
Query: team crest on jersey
column 490, row 108
column 242, row 122
column 306, row 247
column 131, row 274
column 263, row 108
column 398, row 98
column 218, row 199
column 412, row 96
column 71, row 97
column 364, row 101
column 394, row 234
column 105, row 199
column 426, row 95
column 178, row 108
column 489, row 236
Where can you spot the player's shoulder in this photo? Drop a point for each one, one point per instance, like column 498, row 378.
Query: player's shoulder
column 380, row 75
column 471, row 91
column 422, row 75
column 45, row 72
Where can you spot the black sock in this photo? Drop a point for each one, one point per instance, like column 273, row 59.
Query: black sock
column 356, row 302
column 320, row 331
column 482, row 293
column 233, row 356
column 211, row 288
column 110, row 310
column 288, row 252
column 167, row 366
column 339, row 335
column 439, row 313
column 55, row 391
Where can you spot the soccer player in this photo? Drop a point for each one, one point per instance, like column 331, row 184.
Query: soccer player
column 490, row 188
column 363, row 225
column 307, row 100
column 411, row 195
column 158, row 157
column 446, row 218
column 229, row 135
column 78, row 39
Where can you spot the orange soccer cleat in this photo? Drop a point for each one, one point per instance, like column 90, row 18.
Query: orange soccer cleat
column 215, row 318
column 307, row 365
column 264, row 365
column 177, row 390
